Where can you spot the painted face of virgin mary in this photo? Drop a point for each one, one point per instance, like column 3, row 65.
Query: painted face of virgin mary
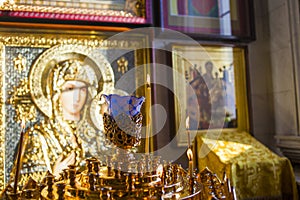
column 72, row 99
column 72, row 84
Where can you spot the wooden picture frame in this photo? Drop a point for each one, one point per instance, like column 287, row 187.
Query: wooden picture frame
column 94, row 11
column 210, row 18
column 220, row 100
column 24, row 50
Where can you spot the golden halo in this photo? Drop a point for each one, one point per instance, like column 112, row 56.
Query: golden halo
column 43, row 66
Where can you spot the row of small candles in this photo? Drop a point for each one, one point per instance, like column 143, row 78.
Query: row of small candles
column 166, row 182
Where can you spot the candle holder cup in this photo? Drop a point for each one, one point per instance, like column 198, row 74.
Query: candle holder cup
column 123, row 120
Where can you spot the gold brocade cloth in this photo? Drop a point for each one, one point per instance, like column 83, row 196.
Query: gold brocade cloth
column 254, row 170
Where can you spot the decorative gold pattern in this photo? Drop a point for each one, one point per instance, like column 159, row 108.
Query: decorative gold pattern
column 20, row 63
column 2, row 121
column 122, row 65
column 141, row 8
column 40, row 40
column 214, row 188
column 254, row 171
column 129, row 135
column 21, row 100
column 90, row 8
column 8, row 5
column 66, row 10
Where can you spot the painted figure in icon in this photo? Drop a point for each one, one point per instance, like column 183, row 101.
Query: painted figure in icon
column 68, row 135
column 214, row 97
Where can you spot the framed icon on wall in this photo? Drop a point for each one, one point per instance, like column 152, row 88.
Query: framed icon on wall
column 230, row 19
column 214, row 97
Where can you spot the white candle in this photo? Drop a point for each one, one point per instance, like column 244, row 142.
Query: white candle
column 190, row 157
column 187, row 126
column 148, row 113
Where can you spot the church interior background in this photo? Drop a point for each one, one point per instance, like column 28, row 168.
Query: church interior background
column 219, row 77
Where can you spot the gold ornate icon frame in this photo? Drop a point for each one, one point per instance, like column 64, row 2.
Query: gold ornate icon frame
column 21, row 55
column 131, row 12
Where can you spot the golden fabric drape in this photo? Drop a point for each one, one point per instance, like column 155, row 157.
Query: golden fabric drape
column 254, row 170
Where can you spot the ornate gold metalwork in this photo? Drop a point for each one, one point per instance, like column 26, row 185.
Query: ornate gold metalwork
column 66, row 10
column 8, row 5
column 110, row 182
column 2, row 121
column 85, row 8
column 122, row 65
column 214, row 188
column 141, row 8
column 48, row 40
column 118, row 136
column 21, row 99
column 20, row 63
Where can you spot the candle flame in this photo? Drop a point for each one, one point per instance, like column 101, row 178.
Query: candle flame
column 160, row 170
column 187, row 123
column 23, row 123
column 189, row 154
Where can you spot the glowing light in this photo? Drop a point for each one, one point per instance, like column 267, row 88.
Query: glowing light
column 187, row 123
column 189, row 154
column 23, row 124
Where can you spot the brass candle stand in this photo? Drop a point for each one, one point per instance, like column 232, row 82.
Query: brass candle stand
column 98, row 182
column 123, row 176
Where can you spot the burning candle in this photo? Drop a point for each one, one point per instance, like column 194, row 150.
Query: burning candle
column 19, row 155
column 148, row 113
column 190, row 157
column 187, row 125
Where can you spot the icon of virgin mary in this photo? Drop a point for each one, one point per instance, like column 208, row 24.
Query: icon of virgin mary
column 66, row 82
